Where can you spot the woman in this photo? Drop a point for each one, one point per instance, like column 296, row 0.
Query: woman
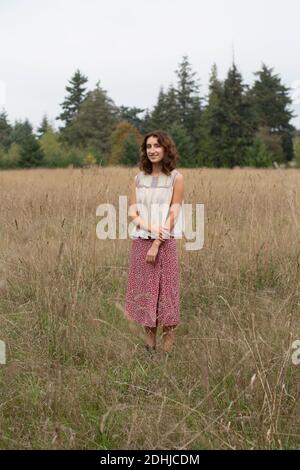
column 152, row 296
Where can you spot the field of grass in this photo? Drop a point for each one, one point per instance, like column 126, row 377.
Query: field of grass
column 76, row 376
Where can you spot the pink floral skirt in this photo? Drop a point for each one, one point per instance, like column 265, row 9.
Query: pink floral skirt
column 152, row 296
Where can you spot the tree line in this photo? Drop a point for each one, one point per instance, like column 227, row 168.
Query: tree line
column 234, row 125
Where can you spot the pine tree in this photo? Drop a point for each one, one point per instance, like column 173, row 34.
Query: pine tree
column 271, row 101
column 93, row 126
column 131, row 115
column 189, row 102
column 210, row 128
column 146, row 122
column 44, row 127
column 5, row 131
column 71, row 104
column 21, row 131
column 172, row 108
column 187, row 93
column 184, row 145
column 237, row 121
column 258, row 155
column 166, row 110
column 31, row 154
column 158, row 113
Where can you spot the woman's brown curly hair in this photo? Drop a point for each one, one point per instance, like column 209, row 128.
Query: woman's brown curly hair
column 170, row 153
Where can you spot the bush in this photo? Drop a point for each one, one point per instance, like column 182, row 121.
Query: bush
column 125, row 135
column 73, row 156
column 13, row 156
column 131, row 150
column 258, row 155
column 89, row 159
column 52, row 149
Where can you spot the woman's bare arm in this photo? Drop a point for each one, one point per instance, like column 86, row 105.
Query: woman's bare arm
column 133, row 212
column 176, row 202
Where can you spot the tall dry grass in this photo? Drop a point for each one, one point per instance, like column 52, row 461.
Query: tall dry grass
column 76, row 377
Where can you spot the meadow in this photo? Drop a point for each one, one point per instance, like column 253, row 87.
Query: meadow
column 76, row 376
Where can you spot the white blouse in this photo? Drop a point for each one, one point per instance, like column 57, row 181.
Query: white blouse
column 153, row 197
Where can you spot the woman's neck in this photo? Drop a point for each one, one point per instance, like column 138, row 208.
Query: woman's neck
column 156, row 169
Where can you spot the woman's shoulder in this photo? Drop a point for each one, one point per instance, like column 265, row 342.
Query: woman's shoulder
column 138, row 178
column 176, row 174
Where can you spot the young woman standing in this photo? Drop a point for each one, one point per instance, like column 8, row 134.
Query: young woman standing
column 152, row 296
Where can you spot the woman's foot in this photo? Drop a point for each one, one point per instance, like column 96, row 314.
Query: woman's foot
column 150, row 336
column 150, row 351
column 168, row 338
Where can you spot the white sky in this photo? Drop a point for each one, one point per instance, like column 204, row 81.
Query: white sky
column 134, row 46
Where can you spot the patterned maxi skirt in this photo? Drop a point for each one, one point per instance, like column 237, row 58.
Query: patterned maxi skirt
column 152, row 296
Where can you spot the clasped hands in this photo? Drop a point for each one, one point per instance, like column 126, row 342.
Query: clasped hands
column 162, row 233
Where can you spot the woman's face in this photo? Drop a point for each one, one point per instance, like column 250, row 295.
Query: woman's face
column 155, row 151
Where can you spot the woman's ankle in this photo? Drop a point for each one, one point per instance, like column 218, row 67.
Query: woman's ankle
column 151, row 337
column 168, row 339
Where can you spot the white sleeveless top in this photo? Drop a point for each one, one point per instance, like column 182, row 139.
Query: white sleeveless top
column 153, row 197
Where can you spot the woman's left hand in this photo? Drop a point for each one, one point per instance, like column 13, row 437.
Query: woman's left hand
column 152, row 253
column 164, row 233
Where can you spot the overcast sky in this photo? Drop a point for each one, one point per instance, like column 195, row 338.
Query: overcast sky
column 134, row 46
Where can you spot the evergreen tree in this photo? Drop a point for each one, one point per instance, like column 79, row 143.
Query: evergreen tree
column 21, row 131
column 210, row 127
column 172, row 108
column 287, row 144
column 189, row 103
column 166, row 111
column 5, row 131
column 158, row 114
column 93, row 126
column 188, row 100
column 44, row 127
column 258, row 155
column 3, row 157
column 187, row 94
column 272, row 142
column 271, row 101
column 237, row 120
column 184, row 145
column 131, row 151
column 131, row 115
column 71, row 104
column 146, row 122
column 31, row 154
